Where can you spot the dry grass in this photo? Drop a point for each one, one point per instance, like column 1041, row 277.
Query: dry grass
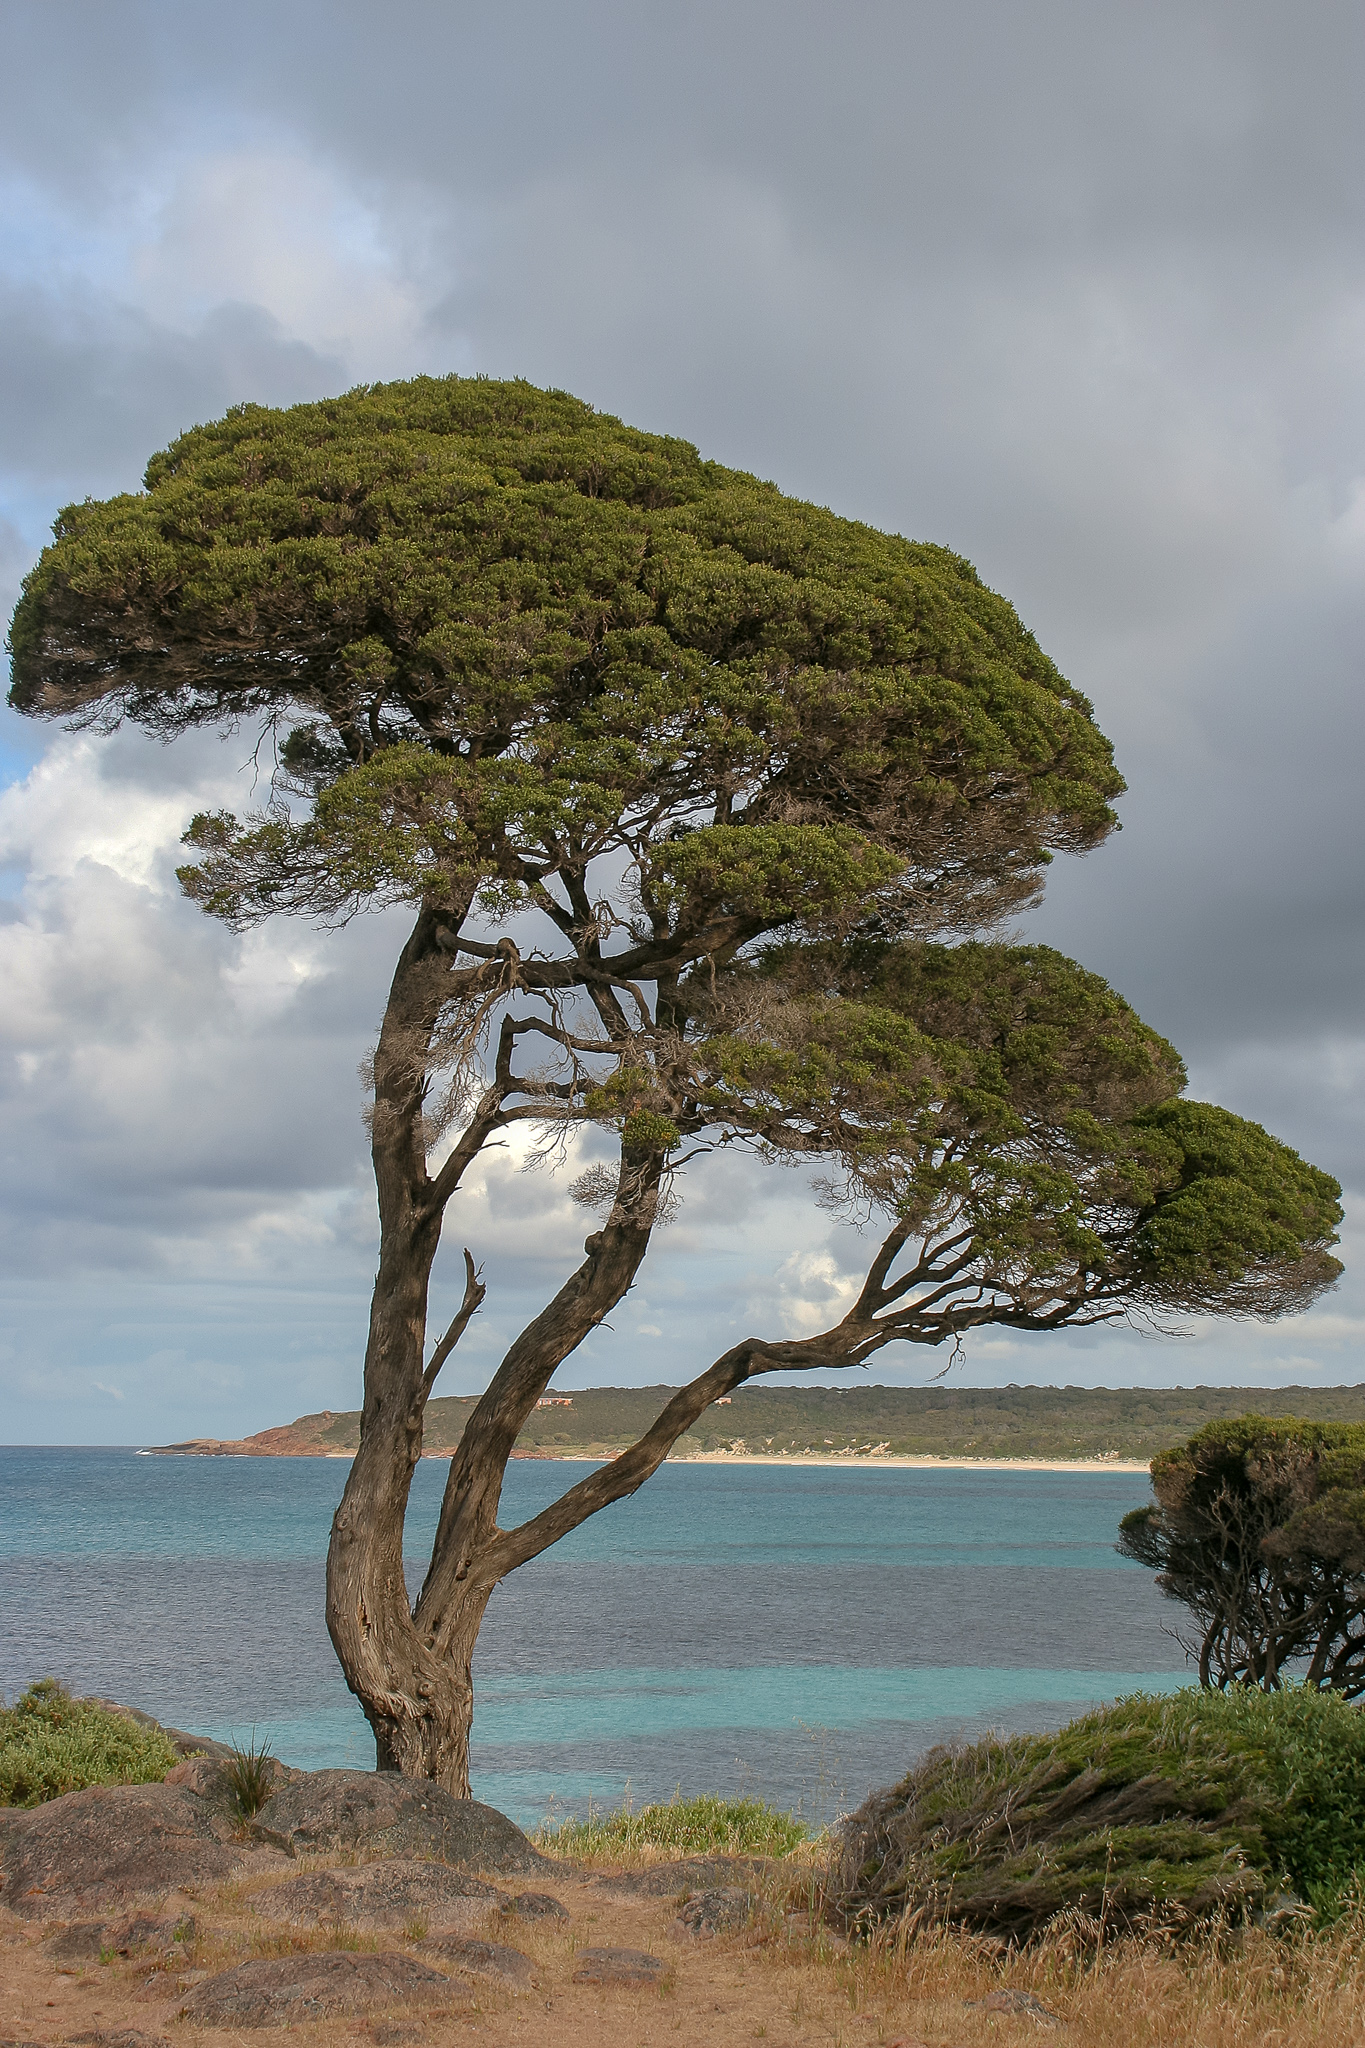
column 1231, row 1990
column 789, row 1980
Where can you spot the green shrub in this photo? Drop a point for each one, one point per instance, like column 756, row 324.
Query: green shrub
column 1164, row 1809
column 50, row 1744
column 686, row 1827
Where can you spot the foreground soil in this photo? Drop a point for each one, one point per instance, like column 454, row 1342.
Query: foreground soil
column 394, row 1950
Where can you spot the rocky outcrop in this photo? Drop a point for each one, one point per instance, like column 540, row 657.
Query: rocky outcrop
column 91, row 1852
column 536, row 1906
column 281, row 1991
column 617, row 1966
column 684, row 1877
column 375, row 1898
column 722, row 1911
column 381, row 1813
column 92, row 1941
column 489, row 1960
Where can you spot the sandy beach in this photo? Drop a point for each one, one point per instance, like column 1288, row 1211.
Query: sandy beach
column 918, row 1464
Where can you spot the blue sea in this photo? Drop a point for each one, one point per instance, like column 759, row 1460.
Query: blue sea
column 799, row 1634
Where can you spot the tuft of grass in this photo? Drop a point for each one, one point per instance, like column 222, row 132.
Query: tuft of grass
column 706, row 1825
column 51, row 1744
column 250, row 1774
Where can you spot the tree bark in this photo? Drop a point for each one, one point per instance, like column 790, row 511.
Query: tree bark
column 409, row 1669
column 418, row 1705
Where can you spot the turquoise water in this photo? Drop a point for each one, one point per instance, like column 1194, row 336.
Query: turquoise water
column 803, row 1634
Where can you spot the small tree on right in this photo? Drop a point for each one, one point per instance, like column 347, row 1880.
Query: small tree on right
column 1259, row 1530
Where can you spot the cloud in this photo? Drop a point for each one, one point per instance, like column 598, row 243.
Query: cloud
column 1078, row 291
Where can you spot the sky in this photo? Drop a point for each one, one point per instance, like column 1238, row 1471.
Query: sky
column 1076, row 290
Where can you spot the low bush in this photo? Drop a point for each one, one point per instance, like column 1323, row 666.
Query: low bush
column 51, row 1743
column 1156, row 1811
column 685, row 1827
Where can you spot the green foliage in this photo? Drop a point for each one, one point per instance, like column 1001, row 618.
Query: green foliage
column 582, row 625
column 250, row 1774
column 1259, row 1529
column 1155, row 1809
column 1007, row 1092
column 1239, row 1195
column 51, row 1744
column 684, row 1827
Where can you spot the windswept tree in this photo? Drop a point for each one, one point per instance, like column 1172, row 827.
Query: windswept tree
column 1258, row 1528
column 698, row 796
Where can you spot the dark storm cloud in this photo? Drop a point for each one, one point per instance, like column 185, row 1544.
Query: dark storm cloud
column 92, row 386
column 1078, row 291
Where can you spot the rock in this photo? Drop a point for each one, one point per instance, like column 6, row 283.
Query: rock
column 112, row 1844
column 679, row 1880
column 536, row 1906
column 278, row 1991
column 91, row 1941
column 721, row 1911
column 321, row 1812
column 1014, row 2001
column 119, row 2037
column 374, row 1897
column 81, row 1943
column 505, row 1966
column 616, row 1966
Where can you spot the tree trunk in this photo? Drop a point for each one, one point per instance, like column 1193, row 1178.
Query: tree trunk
column 419, row 1706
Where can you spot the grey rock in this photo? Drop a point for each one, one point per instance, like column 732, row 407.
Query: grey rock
column 616, row 1966
column 278, row 1991
column 90, row 1941
column 682, row 1878
column 118, row 2037
column 110, row 1845
column 374, row 1897
column 536, row 1906
column 81, row 1943
column 722, row 1911
column 507, row 1967
column 1022, row 2002
column 321, row 1812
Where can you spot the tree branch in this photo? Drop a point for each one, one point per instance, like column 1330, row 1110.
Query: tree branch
column 474, row 1292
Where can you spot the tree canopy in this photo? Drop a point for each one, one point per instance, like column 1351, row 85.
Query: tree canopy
column 1259, row 1529
column 596, row 635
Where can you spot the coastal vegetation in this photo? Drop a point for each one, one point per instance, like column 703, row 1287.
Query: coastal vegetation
column 1122, row 1423
column 51, row 1743
column 704, row 803
column 703, row 1825
column 1153, row 1812
column 1258, row 1528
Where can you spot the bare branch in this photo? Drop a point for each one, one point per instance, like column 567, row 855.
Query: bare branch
column 474, row 1292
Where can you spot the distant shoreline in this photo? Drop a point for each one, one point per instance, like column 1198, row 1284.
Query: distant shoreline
column 925, row 1464
column 879, row 1463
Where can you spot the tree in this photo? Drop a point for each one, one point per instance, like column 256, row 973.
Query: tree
column 687, row 783
column 1259, row 1529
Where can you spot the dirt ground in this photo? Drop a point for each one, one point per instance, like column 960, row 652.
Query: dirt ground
column 782, row 1980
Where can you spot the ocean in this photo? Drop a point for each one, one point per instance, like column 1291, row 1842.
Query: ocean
column 799, row 1634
